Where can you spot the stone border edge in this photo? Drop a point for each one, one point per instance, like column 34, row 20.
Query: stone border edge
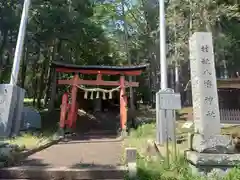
column 29, row 152
column 49, row 173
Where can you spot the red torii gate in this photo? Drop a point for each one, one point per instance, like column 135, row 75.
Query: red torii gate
column 72, row 108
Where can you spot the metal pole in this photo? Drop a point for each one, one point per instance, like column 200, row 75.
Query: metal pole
column 158, row 129
column 20, row 43
column 167, row 139
column 176, row 55
column 163, row 64
column 174, row 136
column 162, row 29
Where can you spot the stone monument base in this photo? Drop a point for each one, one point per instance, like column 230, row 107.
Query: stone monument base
column 209, row 164
column 11, row 104
column 217, row 144
column 215, row 155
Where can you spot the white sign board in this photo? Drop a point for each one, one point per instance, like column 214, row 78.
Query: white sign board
column 169, row 101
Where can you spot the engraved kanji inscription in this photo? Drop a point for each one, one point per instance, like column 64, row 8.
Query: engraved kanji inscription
column 208, row 100
column 193, row 73
column 207, row 72
column 205, row 61
column 195, row 83
column 208, row 84
column 211, row 114
column 204, row 48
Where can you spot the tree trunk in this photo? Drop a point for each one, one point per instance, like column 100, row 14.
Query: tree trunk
column 41, row 82
column 24, row 67
column 35, row 78
column 53, row 91
column 48, row 78
column 177, row 83
column 2, row 47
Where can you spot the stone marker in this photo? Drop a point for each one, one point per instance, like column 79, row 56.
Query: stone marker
column 205, row 97
column 17, row 115
column 11, row 103
column 204, row 86
column 131, row 161
column 31, row 119
column 131, row 155
column 209, row 150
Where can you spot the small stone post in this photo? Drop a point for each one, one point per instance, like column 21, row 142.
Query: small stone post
column 131, row 161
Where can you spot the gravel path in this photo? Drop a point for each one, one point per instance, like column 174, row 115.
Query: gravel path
column 104, row 152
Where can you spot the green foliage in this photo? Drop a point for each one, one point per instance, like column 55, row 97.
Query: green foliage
column 91, row 32
column 29, row 141
column 146, row 131
column 60, row 30
column 152, row 167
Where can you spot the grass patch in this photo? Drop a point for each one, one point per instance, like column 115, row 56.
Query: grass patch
column 29, row 141
column 152, row 167
column 139, row 138
column 29, row 101
column 32, row 140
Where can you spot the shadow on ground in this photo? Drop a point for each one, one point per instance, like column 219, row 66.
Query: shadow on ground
column 89, row 140
column 36, row 169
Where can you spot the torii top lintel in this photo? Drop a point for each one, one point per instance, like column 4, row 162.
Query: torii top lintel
column 107, row 70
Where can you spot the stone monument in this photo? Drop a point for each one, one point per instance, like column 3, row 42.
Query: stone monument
column 204, row 87
column 11, row 104
column 12, row 96
column 206, row 138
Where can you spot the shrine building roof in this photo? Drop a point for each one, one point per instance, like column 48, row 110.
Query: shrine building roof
column 91, row 69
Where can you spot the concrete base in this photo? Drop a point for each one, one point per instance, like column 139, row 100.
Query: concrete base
column 211, row 164
column 209, row 171
column 11, row 104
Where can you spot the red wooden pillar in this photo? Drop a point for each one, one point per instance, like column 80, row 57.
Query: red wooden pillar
column 75, row 116
column 72, row 111
column 123, row 104
column 64, row 108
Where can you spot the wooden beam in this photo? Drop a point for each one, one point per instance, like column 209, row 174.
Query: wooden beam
column 105, row 72
column 97, row 83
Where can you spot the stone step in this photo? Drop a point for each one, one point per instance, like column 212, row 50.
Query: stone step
column 48, row 173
